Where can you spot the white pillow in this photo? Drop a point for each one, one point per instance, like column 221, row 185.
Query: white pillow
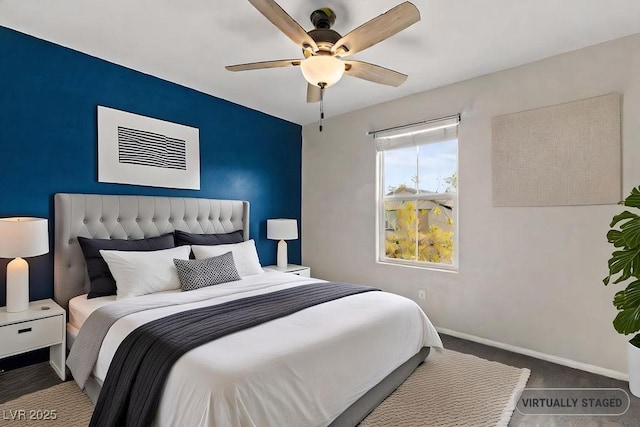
column 144, row 272
column 244, row 255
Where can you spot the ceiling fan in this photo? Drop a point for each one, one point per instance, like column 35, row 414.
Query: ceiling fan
column 324, row 48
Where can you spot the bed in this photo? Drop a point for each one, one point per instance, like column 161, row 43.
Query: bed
column 329, row 364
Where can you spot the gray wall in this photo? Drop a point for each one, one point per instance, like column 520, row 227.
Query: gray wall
column 529, row 277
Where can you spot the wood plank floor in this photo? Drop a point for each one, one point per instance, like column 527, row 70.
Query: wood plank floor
column 25, row 380
column 28, row 379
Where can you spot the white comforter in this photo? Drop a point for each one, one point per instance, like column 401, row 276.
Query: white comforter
column 300, row 370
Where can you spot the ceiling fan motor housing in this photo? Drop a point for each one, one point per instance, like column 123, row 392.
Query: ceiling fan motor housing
column 327, row 37
column 322, row 34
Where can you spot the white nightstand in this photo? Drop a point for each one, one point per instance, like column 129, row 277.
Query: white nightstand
column 299, row 270
column 42, row 325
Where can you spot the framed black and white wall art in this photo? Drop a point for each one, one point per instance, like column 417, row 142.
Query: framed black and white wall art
column 139, row 150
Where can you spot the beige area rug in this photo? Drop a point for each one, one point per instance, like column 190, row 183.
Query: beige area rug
column 453, row 389
column 449, row 389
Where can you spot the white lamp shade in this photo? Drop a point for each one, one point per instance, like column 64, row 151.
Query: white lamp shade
column 282, row 229
column 23, row 237
column 322, row 69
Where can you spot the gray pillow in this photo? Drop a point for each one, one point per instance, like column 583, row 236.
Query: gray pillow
column 102, row 282
column 196, row 274
column 184, row 238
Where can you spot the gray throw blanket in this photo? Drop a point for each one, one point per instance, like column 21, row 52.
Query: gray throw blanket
column 133, row 387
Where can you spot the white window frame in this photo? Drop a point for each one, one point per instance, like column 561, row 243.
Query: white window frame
column 381, row 199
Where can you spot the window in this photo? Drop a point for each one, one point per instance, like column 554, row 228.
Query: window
column 418, row 194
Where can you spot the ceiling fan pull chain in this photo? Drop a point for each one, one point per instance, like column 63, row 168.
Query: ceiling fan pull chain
column 322, row 86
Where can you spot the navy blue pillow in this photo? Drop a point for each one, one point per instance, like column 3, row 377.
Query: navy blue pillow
column 184, row 238
column 102, row 282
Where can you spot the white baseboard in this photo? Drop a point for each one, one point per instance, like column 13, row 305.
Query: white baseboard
column 538, row 355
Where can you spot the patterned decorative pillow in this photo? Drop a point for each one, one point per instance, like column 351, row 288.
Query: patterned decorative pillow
column 196, row 274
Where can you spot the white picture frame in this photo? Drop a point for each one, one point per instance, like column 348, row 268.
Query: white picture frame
column 140, row 150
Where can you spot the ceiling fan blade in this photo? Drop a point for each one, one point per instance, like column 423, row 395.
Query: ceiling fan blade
column 377, row 29
column 313, row 93
column 374, row 73
column 263, row 64
column 285, row 23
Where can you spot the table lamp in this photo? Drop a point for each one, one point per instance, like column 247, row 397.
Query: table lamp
column 21, row 237
column 282, row 229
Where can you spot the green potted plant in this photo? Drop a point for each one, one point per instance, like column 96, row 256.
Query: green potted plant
column 624, row 265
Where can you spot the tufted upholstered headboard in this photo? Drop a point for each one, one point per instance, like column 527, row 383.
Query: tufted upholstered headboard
column 130, row 217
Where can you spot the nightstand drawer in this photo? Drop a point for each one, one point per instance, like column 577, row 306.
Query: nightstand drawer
column 305, row 272
column 298, row 270
column 24, row 336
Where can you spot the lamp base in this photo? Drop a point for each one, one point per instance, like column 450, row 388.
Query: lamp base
column 17, row 286
column 282, row 254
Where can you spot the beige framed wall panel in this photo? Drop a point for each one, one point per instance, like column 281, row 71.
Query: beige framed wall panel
column 568, row 154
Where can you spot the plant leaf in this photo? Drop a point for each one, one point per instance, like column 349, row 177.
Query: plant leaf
column 621, row 217
column 628, row 298
column 628, row 301
column 633, row 200
column 627, row 321
column 631, row 232
column 616, row 237
column 635, row 341
column 626, row 262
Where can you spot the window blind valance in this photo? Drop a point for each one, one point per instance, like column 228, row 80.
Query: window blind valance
column 414, row 134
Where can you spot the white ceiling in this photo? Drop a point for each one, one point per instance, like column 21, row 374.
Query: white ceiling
column 190, row 41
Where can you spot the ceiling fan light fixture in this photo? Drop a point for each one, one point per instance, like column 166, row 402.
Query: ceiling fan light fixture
column 322, row 69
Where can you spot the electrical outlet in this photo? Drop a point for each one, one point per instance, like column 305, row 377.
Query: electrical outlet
column 422, row 294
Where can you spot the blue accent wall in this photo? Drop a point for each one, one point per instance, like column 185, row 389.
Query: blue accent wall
column 48, row 142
